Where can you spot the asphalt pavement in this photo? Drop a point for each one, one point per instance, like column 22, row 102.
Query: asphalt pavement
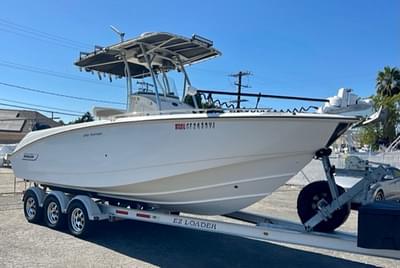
column 138, row 244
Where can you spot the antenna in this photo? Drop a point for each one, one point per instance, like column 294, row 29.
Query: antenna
column 121, row 34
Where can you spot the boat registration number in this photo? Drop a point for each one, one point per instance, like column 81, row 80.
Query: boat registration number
column 195, row 125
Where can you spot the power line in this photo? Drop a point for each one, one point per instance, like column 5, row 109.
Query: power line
column 42, row 106
column 213, row 71
column 36, row 109
column 30, row 30
column 60, row 95
column 27, row 31
column 43, row 71
column 50, row 35
column 39, row 39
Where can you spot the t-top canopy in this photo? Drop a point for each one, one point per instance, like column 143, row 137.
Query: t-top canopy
column 165, row 51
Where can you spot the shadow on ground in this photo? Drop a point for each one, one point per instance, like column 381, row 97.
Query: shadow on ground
column 167, row 246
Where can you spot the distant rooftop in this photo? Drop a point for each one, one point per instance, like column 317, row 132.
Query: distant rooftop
column 15, row 124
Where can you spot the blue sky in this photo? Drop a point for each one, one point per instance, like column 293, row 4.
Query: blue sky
column 301, row 48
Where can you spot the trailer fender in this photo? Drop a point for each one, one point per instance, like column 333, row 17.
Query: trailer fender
column 93, row 210
column 40, row 194
column 62, row 198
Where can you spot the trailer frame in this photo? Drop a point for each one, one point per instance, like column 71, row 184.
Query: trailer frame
column 252, row 226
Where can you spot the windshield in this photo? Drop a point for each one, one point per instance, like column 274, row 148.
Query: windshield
column 166, row 86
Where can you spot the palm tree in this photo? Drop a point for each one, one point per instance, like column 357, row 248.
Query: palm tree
column 388, row 89
column 388, row 82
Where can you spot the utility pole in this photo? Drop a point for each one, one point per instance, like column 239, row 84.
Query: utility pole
column 239, row 85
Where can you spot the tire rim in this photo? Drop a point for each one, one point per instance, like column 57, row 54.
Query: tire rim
column 379, row 196
column 53, row 212
column 77, row 220
column 315, row 200
column 30, row 208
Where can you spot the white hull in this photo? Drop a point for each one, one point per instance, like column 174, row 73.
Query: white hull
column 198, row 163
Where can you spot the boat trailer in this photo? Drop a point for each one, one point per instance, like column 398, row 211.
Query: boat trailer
column 82, row 209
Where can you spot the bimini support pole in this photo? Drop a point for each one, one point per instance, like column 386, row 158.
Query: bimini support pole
column 152, row 75
column 187, row 82
column 128, row 81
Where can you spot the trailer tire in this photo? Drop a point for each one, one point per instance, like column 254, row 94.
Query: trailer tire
column 78, row 220
column 307, row 206
column 53, row 216
column 32, row 210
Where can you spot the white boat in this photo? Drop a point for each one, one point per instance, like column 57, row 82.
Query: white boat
column 166, row 153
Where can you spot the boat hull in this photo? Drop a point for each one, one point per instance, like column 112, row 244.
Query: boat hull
column 205, row 164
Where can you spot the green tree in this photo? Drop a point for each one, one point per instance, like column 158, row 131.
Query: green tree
column 369, row 135
column 388, row 125
column 387, row 96
column 87, row 117
column 388, row 82
column 388, row 89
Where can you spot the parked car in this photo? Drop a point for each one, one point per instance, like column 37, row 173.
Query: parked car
column 386, row 189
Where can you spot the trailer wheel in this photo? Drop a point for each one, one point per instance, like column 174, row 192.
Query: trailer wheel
column 78, row 221
column 53, row 216
column 307, row 206
column 32, row 210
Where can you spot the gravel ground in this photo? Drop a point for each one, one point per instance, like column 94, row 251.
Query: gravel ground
column 136, row 244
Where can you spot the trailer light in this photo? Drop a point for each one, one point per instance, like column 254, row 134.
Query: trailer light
column 143, row 215
column 124, row 212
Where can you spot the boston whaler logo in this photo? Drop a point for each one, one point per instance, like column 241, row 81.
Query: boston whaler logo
column 30, row 156
column 195, row 125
